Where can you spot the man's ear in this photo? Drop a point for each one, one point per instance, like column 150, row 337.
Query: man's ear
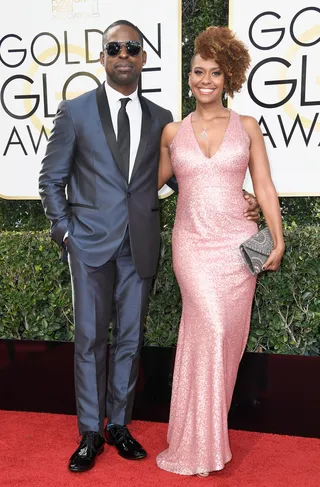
column 144, row 58
column 102, row 58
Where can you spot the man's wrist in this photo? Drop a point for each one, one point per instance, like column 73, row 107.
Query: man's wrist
column 65, row 237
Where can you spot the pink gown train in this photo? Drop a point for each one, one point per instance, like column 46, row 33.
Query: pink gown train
column 217, row 293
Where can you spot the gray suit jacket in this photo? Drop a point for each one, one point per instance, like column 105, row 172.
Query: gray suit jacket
column 82, row 156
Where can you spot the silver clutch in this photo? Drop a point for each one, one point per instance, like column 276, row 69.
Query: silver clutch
column 256, row 250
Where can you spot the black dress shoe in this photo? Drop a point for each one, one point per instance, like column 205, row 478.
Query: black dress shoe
column 91, row 445
column 127, row 446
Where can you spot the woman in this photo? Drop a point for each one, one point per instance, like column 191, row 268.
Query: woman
column 209, row 152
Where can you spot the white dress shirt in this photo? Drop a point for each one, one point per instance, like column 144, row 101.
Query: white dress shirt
column 135, row 119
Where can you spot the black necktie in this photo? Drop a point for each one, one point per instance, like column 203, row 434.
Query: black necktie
column 123, row 138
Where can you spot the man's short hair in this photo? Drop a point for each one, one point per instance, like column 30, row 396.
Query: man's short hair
column 122, row 22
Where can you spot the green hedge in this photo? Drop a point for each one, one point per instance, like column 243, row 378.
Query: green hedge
column 35, row 298
column 35, row 294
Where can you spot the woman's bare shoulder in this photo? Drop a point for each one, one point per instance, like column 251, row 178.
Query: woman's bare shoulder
column 249, row 122
column 170, row 131
column 251, row 126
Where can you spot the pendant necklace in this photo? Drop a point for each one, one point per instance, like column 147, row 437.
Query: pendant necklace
column 204, row 134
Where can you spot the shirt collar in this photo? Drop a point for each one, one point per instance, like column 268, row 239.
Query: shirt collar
column 114, row 95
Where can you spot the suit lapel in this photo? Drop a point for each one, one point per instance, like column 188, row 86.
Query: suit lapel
column 145, row 131
column 105, row 116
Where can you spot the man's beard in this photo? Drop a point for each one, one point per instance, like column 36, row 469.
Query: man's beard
column 124, row 79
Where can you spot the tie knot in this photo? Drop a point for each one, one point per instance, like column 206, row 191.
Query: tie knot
column 124, row 102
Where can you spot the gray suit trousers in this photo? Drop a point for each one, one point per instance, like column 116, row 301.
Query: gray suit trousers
column 111, row 291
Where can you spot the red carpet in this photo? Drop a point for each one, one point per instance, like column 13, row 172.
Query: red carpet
column 35, row 449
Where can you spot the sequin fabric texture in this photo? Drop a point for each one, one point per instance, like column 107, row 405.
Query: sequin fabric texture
column 217, row 293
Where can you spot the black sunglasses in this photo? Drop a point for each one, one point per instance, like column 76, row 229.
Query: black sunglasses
column 113, row 48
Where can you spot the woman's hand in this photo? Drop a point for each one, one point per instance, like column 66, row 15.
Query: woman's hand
column 253, row 208
column 274, row 260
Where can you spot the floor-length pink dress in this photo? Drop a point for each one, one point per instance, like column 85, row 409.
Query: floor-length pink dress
column 217, row 293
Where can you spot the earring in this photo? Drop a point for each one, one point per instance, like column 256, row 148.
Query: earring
column 190, row 94
column 225, row 96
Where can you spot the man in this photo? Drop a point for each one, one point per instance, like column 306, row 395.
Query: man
column 104, row 148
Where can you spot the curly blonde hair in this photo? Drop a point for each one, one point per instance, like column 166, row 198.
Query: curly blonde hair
column 232, row 56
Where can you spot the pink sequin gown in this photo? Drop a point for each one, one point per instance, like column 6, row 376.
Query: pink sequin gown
column 217, row 293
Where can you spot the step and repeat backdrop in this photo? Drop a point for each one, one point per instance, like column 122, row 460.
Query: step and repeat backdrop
column 49, row 51
column 283, row 87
